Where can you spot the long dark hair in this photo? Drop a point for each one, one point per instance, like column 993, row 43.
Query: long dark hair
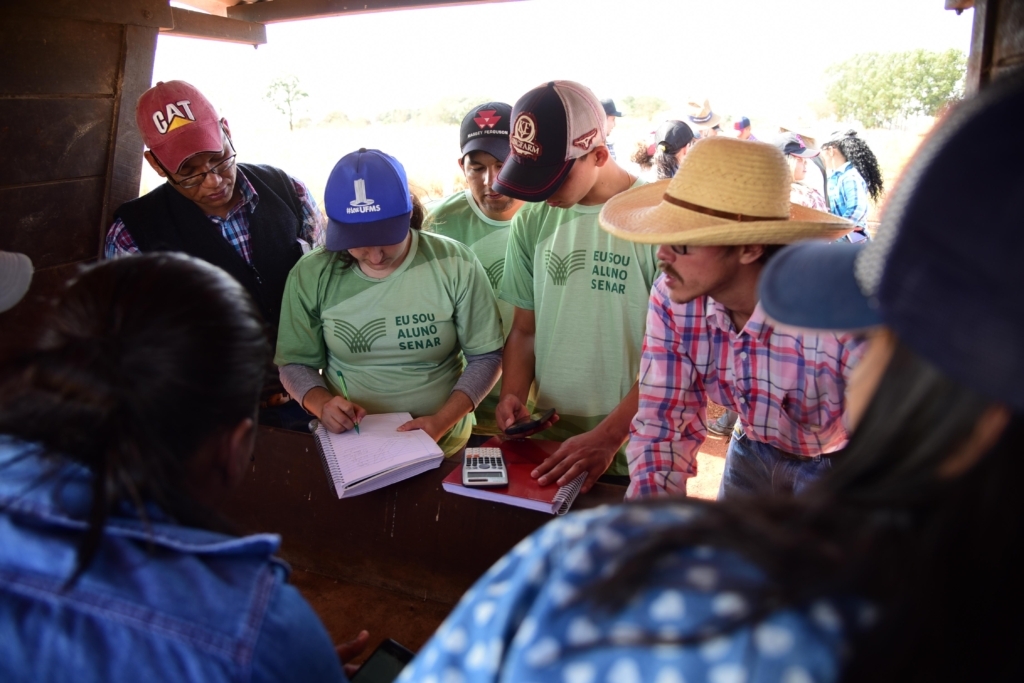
column 143, row 359
column 863, row 159
column 940, row 558
column 419, row 215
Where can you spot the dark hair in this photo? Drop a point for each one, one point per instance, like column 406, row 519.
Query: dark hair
column 862, row 158
column 142, row 360
column 940, row 558
column 666, row 163
column 419, row 214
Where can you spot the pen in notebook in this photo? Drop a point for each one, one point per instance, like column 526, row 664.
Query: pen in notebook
column 344, row 390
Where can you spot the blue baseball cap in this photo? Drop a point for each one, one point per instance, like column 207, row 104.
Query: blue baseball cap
column 367, row 201
column 944, row 273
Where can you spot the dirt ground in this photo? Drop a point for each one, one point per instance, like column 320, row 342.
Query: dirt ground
column 710, row 462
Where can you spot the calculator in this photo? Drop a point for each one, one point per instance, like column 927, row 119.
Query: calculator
column 484, row 467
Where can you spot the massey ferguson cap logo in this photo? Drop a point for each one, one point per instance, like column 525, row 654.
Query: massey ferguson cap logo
column 586, row 140
column 524, row 135
column 486, row 118
column 174, row 116
column 361, row 204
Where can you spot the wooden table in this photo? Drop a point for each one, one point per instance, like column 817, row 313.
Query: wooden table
column 408, row 540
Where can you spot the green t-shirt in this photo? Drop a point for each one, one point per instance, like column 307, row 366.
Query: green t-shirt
column 588, row 291
column 458, row 216
column 394, row 341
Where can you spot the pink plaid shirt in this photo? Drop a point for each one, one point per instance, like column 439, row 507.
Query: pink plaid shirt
column 787, row 388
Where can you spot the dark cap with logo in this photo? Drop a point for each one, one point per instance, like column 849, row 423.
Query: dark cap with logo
column 791, row 143
column 486, row 129
column 552, row 125
column 367, row 201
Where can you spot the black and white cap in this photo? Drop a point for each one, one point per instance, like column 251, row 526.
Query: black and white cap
column 552, row 125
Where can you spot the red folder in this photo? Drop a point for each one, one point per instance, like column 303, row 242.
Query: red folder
column 521, row 457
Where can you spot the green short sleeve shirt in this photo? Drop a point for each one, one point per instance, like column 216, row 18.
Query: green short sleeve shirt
column 459, row 217
column 589, row 292
column 395, row 341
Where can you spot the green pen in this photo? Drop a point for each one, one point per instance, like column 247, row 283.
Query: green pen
column 344, row 390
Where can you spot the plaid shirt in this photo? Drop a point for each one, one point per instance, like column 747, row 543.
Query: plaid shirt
column 848, row 195
column 807, row 196
column 787, row 388
column 235, row 226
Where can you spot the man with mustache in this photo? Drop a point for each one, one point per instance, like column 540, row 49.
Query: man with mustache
column 718, row 221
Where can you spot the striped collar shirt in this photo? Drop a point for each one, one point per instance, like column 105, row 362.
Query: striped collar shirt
column 235, row 226
column 787, row 388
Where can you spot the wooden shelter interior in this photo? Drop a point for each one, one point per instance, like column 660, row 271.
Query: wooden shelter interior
column 394, row 561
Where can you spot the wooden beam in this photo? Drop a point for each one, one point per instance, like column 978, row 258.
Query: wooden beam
column 198, row 25
column 293, row 10
column 959, row 5
column 154, row 13
column 218, row 7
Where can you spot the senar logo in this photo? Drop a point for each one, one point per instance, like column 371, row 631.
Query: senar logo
column 561, row 267
column 174, row 116
column 360, row 339
column 494, row 273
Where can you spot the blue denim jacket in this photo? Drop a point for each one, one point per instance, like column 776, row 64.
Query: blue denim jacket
column 158, row 603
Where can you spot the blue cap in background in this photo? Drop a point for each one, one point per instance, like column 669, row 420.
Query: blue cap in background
column 367, row 201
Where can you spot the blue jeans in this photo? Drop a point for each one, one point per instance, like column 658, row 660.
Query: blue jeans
column 752, row 467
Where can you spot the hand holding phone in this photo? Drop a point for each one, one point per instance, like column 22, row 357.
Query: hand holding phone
column 530, row 424
column 384, row 665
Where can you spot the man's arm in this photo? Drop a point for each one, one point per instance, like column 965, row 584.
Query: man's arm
column 119, row 241
column 591, row 452
column 669, row 426
column 518, row 369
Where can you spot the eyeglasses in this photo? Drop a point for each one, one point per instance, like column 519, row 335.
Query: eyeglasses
column 197, row 179
column 679, row 249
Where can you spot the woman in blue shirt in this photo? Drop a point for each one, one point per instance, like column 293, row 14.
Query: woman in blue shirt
column 121, row 431
column 853, row 179
column 902, row 565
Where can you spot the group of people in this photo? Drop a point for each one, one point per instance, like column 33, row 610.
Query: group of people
column 625, row 306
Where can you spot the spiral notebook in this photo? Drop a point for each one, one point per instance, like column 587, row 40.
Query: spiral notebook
column 377, row 456
column 521, row 457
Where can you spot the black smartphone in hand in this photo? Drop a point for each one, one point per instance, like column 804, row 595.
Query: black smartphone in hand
column 529, row 424
column 384, row 665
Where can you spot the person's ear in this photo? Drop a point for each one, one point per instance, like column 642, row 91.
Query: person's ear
column 152, row 163
column 601, row 156
column 751, row 253
column 987, row 430
column 462, row 163
column 226, row 127
column 236, row 451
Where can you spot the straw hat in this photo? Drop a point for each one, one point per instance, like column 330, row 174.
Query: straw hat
column 727, row 191
column 700, row 114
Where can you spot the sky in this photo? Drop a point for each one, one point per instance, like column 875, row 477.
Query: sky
column 748, row 57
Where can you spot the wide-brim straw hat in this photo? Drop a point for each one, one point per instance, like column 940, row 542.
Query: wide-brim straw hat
column 700, row 115
column 727, row 191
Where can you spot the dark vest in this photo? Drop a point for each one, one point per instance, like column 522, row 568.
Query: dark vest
column 165, row 220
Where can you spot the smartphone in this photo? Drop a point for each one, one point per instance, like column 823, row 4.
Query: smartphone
column 384, row 665
column 530, row 423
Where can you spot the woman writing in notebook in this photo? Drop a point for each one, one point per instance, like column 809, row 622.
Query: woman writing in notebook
column 121, row 431
column 387, row 312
